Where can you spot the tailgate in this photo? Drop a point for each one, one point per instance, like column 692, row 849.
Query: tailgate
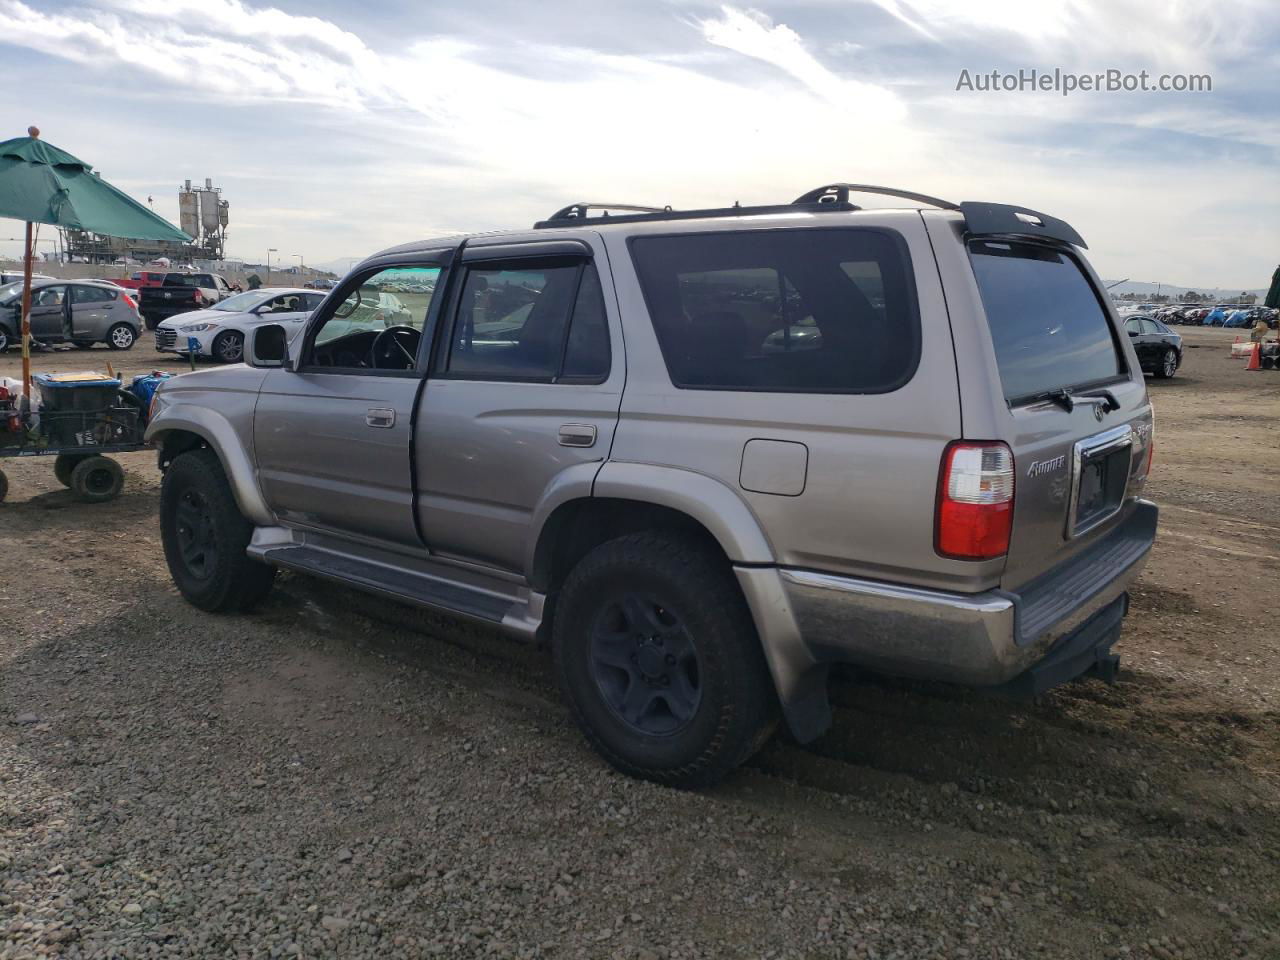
column 1075, row 409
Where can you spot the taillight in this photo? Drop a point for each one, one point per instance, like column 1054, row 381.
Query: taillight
column 198, row 297
column 4, row 394
column 133, row 304
column 975, row 501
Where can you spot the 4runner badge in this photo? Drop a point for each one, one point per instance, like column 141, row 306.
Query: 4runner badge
column 1039, row 468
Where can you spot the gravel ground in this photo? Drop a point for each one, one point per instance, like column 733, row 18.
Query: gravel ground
column 336, row 776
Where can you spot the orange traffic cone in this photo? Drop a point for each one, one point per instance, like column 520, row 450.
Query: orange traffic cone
column 1255, row 357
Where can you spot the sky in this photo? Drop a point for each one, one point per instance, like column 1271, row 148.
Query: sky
column 336, row 129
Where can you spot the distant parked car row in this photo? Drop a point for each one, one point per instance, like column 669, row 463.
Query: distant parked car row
column 1222, row 315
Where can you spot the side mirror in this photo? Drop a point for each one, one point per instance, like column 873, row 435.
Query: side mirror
column 266, row 346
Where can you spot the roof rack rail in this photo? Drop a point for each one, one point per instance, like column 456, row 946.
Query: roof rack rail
column 578, row 211
column 574, row 213
column 839, row 193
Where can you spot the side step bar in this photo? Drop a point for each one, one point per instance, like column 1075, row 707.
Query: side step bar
column 514, row 614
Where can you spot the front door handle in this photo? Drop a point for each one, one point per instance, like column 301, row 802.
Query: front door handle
column 383, row 417
column 578, row 435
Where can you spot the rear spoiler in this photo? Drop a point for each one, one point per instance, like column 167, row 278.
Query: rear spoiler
column 1002, row 220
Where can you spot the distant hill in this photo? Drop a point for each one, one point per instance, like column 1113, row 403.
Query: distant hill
column 1174, row 291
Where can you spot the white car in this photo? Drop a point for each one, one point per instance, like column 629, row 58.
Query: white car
column 219, row 331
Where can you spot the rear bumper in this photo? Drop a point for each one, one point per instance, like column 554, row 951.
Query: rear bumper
column 1029, row 640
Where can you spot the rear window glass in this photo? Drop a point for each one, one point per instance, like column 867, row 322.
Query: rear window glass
column 818, row 311
column 1048, row 327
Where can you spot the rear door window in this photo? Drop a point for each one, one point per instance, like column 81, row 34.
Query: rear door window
column 809, row 311
column 1048, row 326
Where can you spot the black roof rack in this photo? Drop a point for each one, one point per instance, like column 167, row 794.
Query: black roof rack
column 981, row 219
column 578, row 211
column 575, row 213
column 839, row 193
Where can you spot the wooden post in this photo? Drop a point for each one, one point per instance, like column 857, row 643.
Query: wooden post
column 27, row 254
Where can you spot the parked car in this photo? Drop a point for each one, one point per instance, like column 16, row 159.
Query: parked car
column 83, row 312
column 219, row 331
column 181, row 293
column 1159, row 349
column 592, row 433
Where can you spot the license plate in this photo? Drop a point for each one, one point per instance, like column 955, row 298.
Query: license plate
column 1093, row 488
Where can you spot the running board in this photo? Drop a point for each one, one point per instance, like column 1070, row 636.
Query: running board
column 518, row 613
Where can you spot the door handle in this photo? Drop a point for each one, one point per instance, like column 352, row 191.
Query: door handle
column 383, row 417
column 578, row 435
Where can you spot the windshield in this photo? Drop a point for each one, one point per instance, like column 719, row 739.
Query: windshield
column 243, row 302
column 10, row 291
column 1049, row 329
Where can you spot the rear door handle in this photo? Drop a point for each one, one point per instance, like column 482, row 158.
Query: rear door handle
column 383, row 417
column 578, row 435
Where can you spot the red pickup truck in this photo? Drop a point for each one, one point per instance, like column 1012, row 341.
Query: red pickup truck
column 143, row 278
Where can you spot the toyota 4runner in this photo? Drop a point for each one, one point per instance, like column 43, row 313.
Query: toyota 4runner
column 703, row 454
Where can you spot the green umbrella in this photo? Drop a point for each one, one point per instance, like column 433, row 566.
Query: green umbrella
column 1273, row 295
column 41, row 184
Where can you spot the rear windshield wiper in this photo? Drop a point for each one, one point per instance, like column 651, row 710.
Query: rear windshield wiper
column 1060, row 396
column 1068, row 400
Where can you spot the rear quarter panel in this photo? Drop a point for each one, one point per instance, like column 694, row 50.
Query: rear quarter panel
column 867, row 503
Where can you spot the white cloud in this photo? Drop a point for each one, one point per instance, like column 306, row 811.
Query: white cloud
column 753, row 34
column 331, row 146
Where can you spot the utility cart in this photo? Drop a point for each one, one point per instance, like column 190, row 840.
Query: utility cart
column 76, row 418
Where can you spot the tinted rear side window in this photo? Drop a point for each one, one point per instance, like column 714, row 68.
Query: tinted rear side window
column 819, row 311
column 1048, row 327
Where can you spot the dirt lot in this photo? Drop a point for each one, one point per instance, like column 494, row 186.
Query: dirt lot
column 337, row 777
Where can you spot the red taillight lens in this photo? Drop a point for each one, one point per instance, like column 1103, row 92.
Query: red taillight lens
column 4, row 393
column 133, row 304
column 975, row 501
column 198, row 297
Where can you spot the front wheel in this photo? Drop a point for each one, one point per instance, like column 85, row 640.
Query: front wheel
column 205, row 537
column 5, row 340
column 121, row 337
column 228, row 347
column 1168, row 365
column 657, row 654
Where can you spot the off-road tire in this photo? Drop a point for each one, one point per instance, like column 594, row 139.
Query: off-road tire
column 95, row 479
column 1163, row 371
column 64, row 463
column 233, row 582
column 738, row 706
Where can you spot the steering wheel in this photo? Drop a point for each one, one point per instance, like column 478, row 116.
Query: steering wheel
column 397, row 336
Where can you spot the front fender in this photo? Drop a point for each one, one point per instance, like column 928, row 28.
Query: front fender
column 226, row 441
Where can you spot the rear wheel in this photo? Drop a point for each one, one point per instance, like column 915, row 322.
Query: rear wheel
column 121, row 337
column 658, row 657
column 96, row 479
column 205, row 537
column 64, row 463
column 228, row 347
column 1168, row 365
